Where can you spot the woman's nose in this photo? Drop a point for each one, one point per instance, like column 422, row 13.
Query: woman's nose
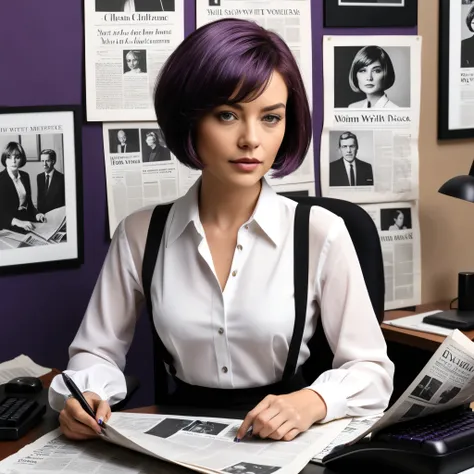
column 249, row 136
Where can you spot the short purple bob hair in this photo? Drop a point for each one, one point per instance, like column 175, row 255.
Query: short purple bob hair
column 216, row 61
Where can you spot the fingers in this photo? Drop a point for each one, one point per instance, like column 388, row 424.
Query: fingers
column 251, row 415
column 102, row 412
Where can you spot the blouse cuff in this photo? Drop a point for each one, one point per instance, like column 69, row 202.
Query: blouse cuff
column 336, row 403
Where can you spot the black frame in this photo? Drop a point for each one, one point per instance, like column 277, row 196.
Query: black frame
column 60, row 263
column 444, row 132
column 336, row 15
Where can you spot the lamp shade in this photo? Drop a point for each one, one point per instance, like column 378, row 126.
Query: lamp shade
column 461, row 187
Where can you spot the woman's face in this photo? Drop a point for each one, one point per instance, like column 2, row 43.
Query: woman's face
column 132, row 61
column 399, row 220
column 13, row 161
column 150, row 141
column 237, row 144
column 370, row 78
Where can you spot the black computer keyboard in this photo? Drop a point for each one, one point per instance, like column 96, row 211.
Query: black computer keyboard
column 436, row 444
column 18, row 415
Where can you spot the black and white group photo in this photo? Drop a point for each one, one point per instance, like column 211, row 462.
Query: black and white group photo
column 124, row 140
column 205, row 427
column 134, row 61
column 371, row 77
column 350, row 158
column 427, row 388
column 467, row 35
column 32, row 190
column 131, row 6
column 153, row 146
column 250, row 468
column 395, row 219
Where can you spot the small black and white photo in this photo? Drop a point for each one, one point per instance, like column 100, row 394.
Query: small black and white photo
column 168, row 427
column 250, row 468
column 132, row 6
column 414, row 411
column 154, row 146
column 467, row 2
column 38, row 187
column 134, row 61
column 372, row 3
column 448, row 394
column 372, row 77
column 214, row 3
column 467, row 35
column 395, row 219
column 124, row 140
column 205, row 427
column 427, row 388
column 351, row 155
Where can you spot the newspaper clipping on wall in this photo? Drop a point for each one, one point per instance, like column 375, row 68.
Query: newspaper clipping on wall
column 291, row 19
column 399, row 231
column 140, row 169
column 369, row 143
column 126, row 44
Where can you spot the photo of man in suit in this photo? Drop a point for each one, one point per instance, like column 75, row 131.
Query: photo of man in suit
column 50, row 184
column 131, row 6
column 349, row 170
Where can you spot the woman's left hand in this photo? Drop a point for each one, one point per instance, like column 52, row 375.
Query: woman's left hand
column 282, row 417
column 40, row 217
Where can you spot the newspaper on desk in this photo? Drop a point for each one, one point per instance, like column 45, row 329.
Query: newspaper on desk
column 381, row 139
column 201, row 444
column 399, row 231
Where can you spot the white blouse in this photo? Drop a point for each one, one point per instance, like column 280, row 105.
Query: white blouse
column 20, row 189
column 239, row 337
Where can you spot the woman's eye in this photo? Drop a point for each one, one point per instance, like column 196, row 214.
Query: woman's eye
column 377, row 70
column 272, row 118
column 226, row 116
column 362, row 70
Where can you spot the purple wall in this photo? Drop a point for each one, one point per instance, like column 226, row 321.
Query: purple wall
column 43, row 65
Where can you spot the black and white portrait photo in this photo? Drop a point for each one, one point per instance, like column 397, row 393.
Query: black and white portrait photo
column 124, row 140
column 427, row 388
column 132, row 6
column 373, row 3
column 214, row 3
column 205, row 427
column 467, row 36
column 350, row 158
column 134, row 61
column 38, row 209
column 250, row 468
column 153, row 146
column 395, row 219
column 371, row 77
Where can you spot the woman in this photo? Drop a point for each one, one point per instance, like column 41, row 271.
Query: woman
column 229, row 243
column 372, row 74
column 398, row 219
column 17, row 211
column 467, row 45
column 133, row 62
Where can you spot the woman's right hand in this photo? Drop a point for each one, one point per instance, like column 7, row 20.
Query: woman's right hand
column 26, row 225
column 75, row 423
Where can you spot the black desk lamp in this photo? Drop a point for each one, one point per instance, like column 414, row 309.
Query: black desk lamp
column 461, row 187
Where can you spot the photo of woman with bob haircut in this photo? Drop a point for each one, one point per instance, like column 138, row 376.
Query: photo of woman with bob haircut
column 235, row 109
column 467, row 45
column 372, row 73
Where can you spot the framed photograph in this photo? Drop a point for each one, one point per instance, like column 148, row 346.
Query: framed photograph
column 40, row 192
column 456, row 69
column 370, row 13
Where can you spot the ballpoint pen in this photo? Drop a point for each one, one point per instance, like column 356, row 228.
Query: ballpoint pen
column 76, row 393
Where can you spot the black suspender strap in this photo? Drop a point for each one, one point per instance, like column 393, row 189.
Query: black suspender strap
column 300, row 276
column 152, row 247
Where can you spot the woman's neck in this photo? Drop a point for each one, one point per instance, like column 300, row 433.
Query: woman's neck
column 226, row 207
column 14, row 173
column 372, row 99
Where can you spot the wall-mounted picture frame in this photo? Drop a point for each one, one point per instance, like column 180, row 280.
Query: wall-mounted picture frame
column 456, row 69
column 370, row 13
column 41, row 223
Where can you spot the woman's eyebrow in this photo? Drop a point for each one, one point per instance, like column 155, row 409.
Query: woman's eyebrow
column 268, row 108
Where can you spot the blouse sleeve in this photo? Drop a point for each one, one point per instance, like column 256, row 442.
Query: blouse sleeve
column 98, row 352
column 361, row 380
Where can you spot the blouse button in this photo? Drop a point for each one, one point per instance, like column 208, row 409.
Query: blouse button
column 225, row 369
column 246, row 227
column 234, row 273
column 221, row 331
column 239, row 247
